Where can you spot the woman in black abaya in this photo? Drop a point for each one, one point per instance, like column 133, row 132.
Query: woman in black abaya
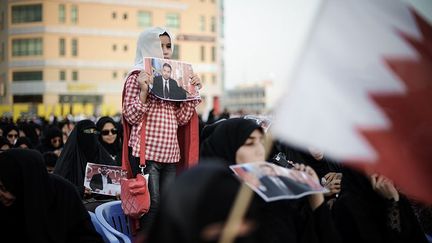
column 239, row 140
column 367, row 213
column 110, row 138
column 81, row 147
column 38, row 207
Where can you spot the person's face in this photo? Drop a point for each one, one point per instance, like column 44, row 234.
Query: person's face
column 166, row 72
column 6, row 197
column 104, row 170
column 12, row 136
column 252, row 150
column 166, row 46
column 109, row 133
column 56, row 142
column 316, row 153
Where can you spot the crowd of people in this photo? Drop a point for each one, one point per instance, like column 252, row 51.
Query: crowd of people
column 42, row 170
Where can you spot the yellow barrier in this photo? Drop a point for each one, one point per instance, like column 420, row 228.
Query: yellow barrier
column 16, row 110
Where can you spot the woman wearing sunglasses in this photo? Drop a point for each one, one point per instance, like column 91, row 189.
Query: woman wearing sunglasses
column 109, row 138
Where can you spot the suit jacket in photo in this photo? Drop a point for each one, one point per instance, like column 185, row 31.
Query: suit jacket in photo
column 273, row 186
column 175, row 92
column 96, row 182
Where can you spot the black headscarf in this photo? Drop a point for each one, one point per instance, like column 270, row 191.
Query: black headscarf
column 9, row 128
column 79, row 149
column 114, row 149
column 46, row 208
column 50, row 133
column 226, row 138
column 4, row 141
column 199, row 197
column 29, row 130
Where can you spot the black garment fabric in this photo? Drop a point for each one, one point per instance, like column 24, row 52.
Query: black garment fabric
column 205, row 195
column 23, row 140
column 200, row 196
column 4, row 141
column 50, row 133
column 361, row 214
column 47, row 208
column 114, row 149
column 79, row 149
column 29, row 130
column 225, row 138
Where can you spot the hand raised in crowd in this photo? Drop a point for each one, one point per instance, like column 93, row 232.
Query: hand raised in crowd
column 195, row 80
column 144, row 80
column 315, row 200
column 384, row 187
column 332, row 181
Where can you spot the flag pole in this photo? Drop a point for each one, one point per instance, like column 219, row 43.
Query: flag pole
column 238, row 211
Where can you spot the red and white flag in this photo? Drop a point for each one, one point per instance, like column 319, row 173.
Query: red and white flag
column 362, row 91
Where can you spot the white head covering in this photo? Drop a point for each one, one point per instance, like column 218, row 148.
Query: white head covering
column 149, row 45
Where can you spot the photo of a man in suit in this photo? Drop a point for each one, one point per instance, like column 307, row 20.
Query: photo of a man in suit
column 166, row 87
column 100, row 180
column 274, row 185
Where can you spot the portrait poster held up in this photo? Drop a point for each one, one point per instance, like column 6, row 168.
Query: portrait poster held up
column 274, row 182
column 103, row 179
column 171, row 79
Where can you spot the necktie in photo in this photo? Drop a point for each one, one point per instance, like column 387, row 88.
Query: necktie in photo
column 166, row 90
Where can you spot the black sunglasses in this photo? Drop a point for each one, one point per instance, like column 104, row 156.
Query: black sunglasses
column 106, row 132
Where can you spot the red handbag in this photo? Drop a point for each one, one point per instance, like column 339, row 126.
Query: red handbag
column 135, row 197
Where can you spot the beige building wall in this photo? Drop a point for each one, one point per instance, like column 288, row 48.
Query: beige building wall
column 105, row 33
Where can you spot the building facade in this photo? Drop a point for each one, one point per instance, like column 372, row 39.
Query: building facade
column 71, row 56
column 257, row 98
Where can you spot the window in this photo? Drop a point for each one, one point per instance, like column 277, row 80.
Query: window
column 213, row 54
column 27, row 76
column 125, row 16
column 114, row 15
column 27, row 99
column 62, row 47
column 2, row 55
column 3, row 84
column 74, row 75
column 26, row 13
column 114, row 75
column 203, row 80
column 27, row 47
column 202, row 53
column 213, row 24
column 62, row 75
column 74, row 14
column 144, row 19
column 125, row 48
column 176, row 52
column 74, row 47
column 173, row 20
column 2, row 20
column 213, row 79
column 114, row 47
column 202, row 23
column 62, row 13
